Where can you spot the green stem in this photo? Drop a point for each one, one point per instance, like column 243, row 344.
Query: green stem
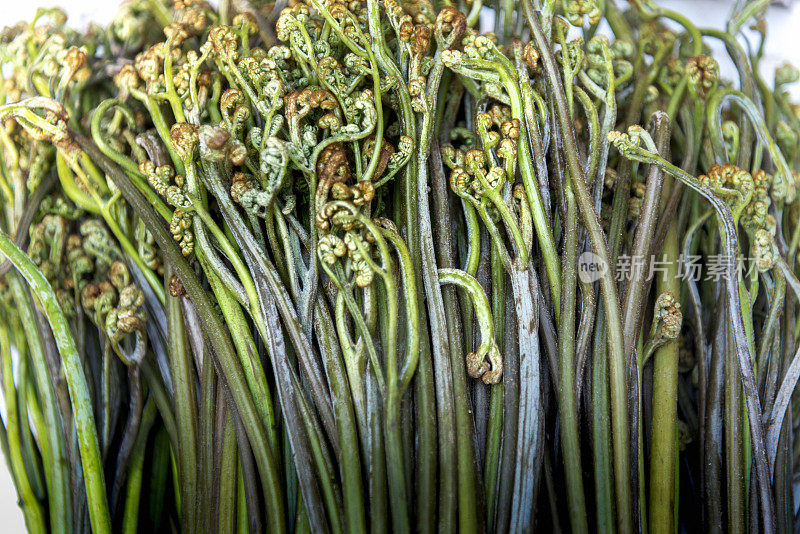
column 215, row 330
column 182, row 369
column 663, row 448
column 494, row 434
column 568, row 413
column 50, row 434
column 31, row 507
column 228, row 480
column 618, row 387
column 130, row 521
column 76, row 381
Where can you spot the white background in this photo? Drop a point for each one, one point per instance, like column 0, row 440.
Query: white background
column 782, row 45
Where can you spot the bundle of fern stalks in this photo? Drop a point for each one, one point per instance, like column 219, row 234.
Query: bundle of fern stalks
column 350, row 266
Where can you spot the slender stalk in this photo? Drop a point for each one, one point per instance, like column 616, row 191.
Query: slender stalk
column 608, row 288
column 570, row 440
column 185, row 402
column 663, row 448
column 73, row 371
column 223, row 348
column 130, row 521
column 32, row 509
